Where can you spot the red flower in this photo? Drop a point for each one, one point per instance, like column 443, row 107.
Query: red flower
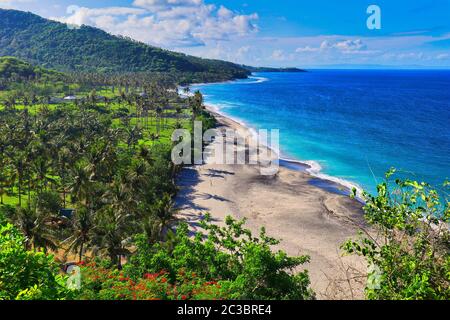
column 183, row 297
column 151, row 275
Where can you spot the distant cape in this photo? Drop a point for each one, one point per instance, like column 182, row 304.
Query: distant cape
column 268, row 69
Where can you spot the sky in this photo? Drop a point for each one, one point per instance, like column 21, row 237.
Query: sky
column 288, row 33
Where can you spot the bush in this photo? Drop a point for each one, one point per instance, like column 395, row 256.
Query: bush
column 244, row 266
column 408, row 254
column 99, row 283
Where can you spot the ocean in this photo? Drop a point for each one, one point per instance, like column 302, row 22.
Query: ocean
column 350, row 126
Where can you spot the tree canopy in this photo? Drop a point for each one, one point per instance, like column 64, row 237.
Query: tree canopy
column 58, row 46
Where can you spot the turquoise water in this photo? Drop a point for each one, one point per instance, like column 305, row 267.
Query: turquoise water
column 354, row 124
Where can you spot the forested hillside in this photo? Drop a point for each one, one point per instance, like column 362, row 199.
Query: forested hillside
column 13, row 68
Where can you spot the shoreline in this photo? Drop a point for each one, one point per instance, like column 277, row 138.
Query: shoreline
column 293, row 206
column 313, row 168
column 328, row 182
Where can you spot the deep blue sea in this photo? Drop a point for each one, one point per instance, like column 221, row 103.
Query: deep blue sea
column 355, row 124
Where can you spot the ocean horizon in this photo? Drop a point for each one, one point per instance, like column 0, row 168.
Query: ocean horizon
column 349, row 126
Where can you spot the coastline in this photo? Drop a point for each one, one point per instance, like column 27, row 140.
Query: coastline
column 301, row 210
column 323, row 180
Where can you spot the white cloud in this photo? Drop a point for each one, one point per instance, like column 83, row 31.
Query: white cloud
column 306, row 49
column 86, row 16
column 410, row 55
column 165, row 4
column 224, row 13
column 406, row 56
column 167, row 23
column 278, row 55
column 349, row 46
column 244, row 50
column 344, row 46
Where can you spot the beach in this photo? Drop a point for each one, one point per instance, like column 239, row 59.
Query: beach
column 310, row 216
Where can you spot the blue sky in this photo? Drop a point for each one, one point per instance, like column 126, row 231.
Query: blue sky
column 317, row 33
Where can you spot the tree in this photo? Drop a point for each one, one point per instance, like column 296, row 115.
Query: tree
column 37, row 228
column 82, row 227
column 26, row 275
column 196, row 104
column 408, row 253
column 111, row 235
column 244, row 266
column 163, row 211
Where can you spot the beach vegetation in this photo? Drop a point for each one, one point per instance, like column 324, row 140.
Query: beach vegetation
column 27, row 274
column 407, row 249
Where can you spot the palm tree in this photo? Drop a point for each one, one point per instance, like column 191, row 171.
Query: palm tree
column 134, row 133
column 178, row 111
column 37, row 228
column 159, row 112
column 164, row 210
column 80, row 185
column 19, row 173
column 63, row 161
column 111, row 236
column 196, row 104
column 137, row 177
column 6, row 180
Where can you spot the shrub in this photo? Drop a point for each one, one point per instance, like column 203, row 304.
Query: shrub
column 100, row 283
column 408, row 252
column 27, row 275
column 244, row 266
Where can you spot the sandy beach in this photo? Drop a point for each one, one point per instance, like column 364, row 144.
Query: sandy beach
column 292, row 205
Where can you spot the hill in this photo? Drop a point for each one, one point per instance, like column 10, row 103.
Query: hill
column 86, row 49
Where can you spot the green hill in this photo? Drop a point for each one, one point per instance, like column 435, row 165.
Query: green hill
column 13, row 68
column 86, row 49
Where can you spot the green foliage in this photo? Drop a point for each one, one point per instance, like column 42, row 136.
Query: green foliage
column 95, row 178
column 408, row 252
column 27, row 275
column 13, row 68
column 102, row 166
column 87, row 49
column 244, row 266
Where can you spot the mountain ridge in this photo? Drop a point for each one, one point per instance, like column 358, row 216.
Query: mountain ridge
column 55, row 45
